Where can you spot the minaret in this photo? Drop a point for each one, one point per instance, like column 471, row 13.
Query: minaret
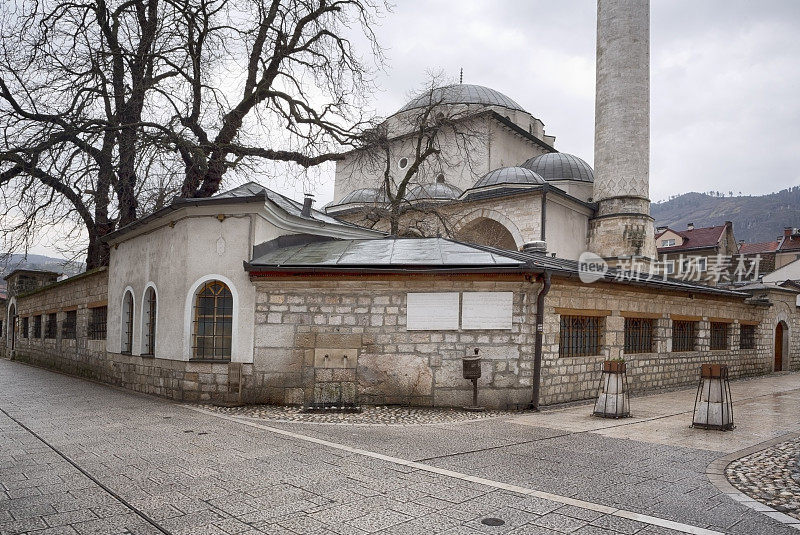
column 622, row 225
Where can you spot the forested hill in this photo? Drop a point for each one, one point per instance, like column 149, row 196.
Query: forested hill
column 755, row 218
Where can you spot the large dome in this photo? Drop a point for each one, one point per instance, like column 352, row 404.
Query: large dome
column 462, row 94
column 560, row 166
column 509, row 175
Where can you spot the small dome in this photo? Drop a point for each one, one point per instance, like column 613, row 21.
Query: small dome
column 438, row 191
column 363, row 196
column 560, row 166
column 462, row 94
column 509, row 175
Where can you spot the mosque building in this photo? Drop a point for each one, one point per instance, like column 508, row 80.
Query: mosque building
column 249, row 296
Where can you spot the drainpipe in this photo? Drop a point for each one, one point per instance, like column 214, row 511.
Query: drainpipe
column 537, row 352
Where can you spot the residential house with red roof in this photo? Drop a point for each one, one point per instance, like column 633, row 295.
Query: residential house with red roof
column 693, row 253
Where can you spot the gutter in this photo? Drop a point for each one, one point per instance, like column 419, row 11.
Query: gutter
column 537, row 353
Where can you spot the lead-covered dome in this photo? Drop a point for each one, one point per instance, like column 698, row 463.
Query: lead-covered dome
column 363, row 196
column 462, row 94
column 509, row 175
column 438, row 191
column 560, row 166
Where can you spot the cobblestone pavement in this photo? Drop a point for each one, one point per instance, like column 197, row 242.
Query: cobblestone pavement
column 771, row 476
column 111, row 461
column 375, row 415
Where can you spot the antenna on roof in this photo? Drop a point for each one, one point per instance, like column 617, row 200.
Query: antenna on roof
column 461, row 76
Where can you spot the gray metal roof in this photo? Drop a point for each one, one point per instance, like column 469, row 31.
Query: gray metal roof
column 388, row 253
column 509, row 175
column 462, row 94
column 560, row 166
column 439, row 191
column 363, row 195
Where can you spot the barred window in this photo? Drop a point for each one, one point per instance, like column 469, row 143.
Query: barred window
column 1, row 328
column 68, row 326
column 37, row 326
column 127, row 322
column 719, row 335
column 638, row 335
column 25, row 328
column 747, row 337
column 213, row 321
column 51, row 327
column 683, row 335
column 580, row 336
column 149, row 319
column 98, row 323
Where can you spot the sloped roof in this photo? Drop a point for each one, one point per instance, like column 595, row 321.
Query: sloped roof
column 698, row 238
column 387, row 254
column 790, row 243
column 759, row 248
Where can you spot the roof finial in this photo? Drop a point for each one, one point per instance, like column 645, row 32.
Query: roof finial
column 461, row 76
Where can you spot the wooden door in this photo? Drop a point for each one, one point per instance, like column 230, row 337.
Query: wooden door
column 779, row 347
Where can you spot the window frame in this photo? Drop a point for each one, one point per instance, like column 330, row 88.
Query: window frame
column 51, row 326
column 98, row 326
column 25, row 326
column 719, row 333
column 69, row 329
column 750, row 338
column 199, row 347
column 149, row 318
column 37, row 326
column 646, row 336
column 691, row 338
column 126, row 323
column 668, row 243
column 590, row 338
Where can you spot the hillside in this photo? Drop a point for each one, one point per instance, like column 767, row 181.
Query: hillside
column 10, row 262
column 755, row 218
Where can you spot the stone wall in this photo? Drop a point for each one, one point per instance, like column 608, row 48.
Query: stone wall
column 573, row 378
column 298, row 320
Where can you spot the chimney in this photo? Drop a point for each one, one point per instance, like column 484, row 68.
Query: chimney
column 660, row 229
column 690, row 226
column 788, row 231
column 307, row 202
column 535, row 247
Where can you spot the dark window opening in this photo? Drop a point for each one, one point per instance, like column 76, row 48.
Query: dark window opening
column 747, row 337
column 51, row 327
column 25, row 328
column 683, row 335
column 580, row 336
column 98, row 323
column 638, row 335
column 68, row 326
column 213, row 322
column 150, row 322
column 37, row 326
column 719, row 336
column 127, row 323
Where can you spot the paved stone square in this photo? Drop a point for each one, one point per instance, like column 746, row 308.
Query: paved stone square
column 79, row 457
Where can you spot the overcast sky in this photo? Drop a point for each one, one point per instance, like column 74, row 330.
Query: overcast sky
column 725, row 84
column 725, row 79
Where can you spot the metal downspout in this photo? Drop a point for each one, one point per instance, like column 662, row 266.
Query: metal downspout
column 537, row 354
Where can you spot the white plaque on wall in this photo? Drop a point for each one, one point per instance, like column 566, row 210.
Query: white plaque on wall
column 487, row 310
column 432, row 311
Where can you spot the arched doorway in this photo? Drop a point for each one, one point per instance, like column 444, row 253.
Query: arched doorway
column 781, row 346
column 485, row 231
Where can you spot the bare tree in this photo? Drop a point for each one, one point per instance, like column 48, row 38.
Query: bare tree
column 431, row 139
column 109, row 107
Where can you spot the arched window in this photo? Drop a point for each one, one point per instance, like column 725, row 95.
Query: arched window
column 213, row 321
column 149, row 322
column 127, row 322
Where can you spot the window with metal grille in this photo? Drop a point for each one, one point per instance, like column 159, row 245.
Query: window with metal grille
column 127, row 322
column 51, row 326
column 580, row 336
column 149, row 308
column 747, row 337
column 1, row 328
column 68, row 326
column 37, row 326
column 213, row 321
column 638, row 335
column 683, row 335
column 98, row 323
column 25, row 328
column 719, row 335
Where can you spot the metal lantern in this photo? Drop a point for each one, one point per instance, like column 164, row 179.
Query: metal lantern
column 612, row 397
column 713, row 406
column 472, row 371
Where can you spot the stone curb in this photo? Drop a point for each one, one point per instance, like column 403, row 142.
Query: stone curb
column 716, row 474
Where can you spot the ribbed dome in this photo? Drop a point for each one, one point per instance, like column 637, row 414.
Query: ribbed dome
column 560, row 166
column 438, row 191
column 509, row 175
column 462, row 94
column 363, row 195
